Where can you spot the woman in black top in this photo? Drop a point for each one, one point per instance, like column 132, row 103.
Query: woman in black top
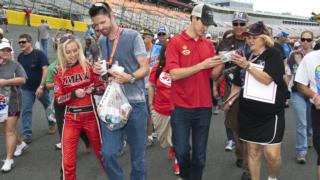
column 261, row 124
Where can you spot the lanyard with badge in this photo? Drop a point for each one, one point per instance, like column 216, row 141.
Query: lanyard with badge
column 115, row 45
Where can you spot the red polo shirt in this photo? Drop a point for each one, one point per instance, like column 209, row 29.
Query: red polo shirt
column 183, row 51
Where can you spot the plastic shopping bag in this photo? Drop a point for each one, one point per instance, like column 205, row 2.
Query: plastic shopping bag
column 37, row 45
column 4, row 102
column 114, row 108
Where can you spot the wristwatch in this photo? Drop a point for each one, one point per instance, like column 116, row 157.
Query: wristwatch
column 133, row 79
column 41, row 87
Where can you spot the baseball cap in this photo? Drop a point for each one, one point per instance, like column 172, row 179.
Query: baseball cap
column 205, row 13
column 240, row 16
column 208, row 35
column 296, row 44
column 5, row 44
column 282, row 34
column 146, row 32
column 162, row 29
column 256, row 29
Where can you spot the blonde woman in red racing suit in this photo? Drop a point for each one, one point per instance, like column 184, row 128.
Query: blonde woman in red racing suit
column 75, row 83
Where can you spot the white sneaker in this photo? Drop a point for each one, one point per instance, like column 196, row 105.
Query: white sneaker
column 20, row 149
column 58, row 146
column 7, row 165
column 230, row 145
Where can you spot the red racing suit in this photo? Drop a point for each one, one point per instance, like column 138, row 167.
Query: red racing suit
column 80, row 114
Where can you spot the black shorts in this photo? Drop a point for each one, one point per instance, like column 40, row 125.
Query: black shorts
column 3, row 21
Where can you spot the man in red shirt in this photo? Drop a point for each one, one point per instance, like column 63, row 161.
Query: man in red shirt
column 28, row 12
column 190, row 61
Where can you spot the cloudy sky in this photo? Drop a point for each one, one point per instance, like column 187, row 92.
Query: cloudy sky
column 295, row 7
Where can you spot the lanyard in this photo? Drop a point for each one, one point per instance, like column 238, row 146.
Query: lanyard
column 251, row 59
column 115, row 45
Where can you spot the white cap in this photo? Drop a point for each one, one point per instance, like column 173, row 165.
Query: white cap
column 208, row 35
column 1, row 31
column 5, row 44
column 205, row 13
column 296, row 44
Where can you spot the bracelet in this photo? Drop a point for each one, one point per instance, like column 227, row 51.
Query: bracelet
column 247, row 66
column 229, row 103
column 315, row 97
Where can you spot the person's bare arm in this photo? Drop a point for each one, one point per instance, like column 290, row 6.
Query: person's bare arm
column 40, row 89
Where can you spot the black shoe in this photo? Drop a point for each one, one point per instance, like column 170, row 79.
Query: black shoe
column 239, row 163
column 245, row 176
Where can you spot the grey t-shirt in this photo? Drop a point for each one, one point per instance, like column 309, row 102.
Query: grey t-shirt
column 9, row 70
column 130, row 47
column 43, row 30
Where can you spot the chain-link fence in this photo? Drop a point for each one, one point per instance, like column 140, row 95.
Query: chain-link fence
column 138, row 16
column 67, row 9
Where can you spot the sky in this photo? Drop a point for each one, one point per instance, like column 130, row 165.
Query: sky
column 295, row 7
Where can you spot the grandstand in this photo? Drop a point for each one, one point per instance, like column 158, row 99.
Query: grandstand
column 150, row 15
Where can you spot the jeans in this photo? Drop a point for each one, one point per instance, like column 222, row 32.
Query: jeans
column 301, row 106
column 112, row 144
column 28, row 98
column 195, row 123
column 44, row 46
column 229, row 134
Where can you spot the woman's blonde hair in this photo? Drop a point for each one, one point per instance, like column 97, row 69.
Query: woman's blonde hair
column 62, row 55
column 267, row 40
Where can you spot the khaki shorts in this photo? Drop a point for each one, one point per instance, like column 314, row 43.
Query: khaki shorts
column 163, row 128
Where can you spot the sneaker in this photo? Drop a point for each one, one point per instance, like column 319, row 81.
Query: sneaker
column 154, row 135
column 171, row 153
column 239, row 163
column 58, row 146
column 20, row 149
column 301, row 159
column 52, row 129
column 7, row 165
column 216, row 111
column 149, row 141
column 245, row 176
column 176, row 168
column 26, row 139
column 230, row 145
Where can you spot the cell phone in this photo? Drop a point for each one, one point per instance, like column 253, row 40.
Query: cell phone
column 227, row 56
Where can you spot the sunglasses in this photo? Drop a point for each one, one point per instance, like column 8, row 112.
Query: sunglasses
column 161, row 34
column 22, row 42
column 239, row 24
column 306, row 39
column 101, row 5
column 65, row 38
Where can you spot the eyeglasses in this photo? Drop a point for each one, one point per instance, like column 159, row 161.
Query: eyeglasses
column 306, row 39
column 22, row 42
column 64, row 38
column 161, row 34
column 238, row 24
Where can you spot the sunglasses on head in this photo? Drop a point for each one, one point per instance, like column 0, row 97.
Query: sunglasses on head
column 238, row 24
column 63, row 39
column 161, row 34
column 306, row 39
column 22, row 42
column 100, row 5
